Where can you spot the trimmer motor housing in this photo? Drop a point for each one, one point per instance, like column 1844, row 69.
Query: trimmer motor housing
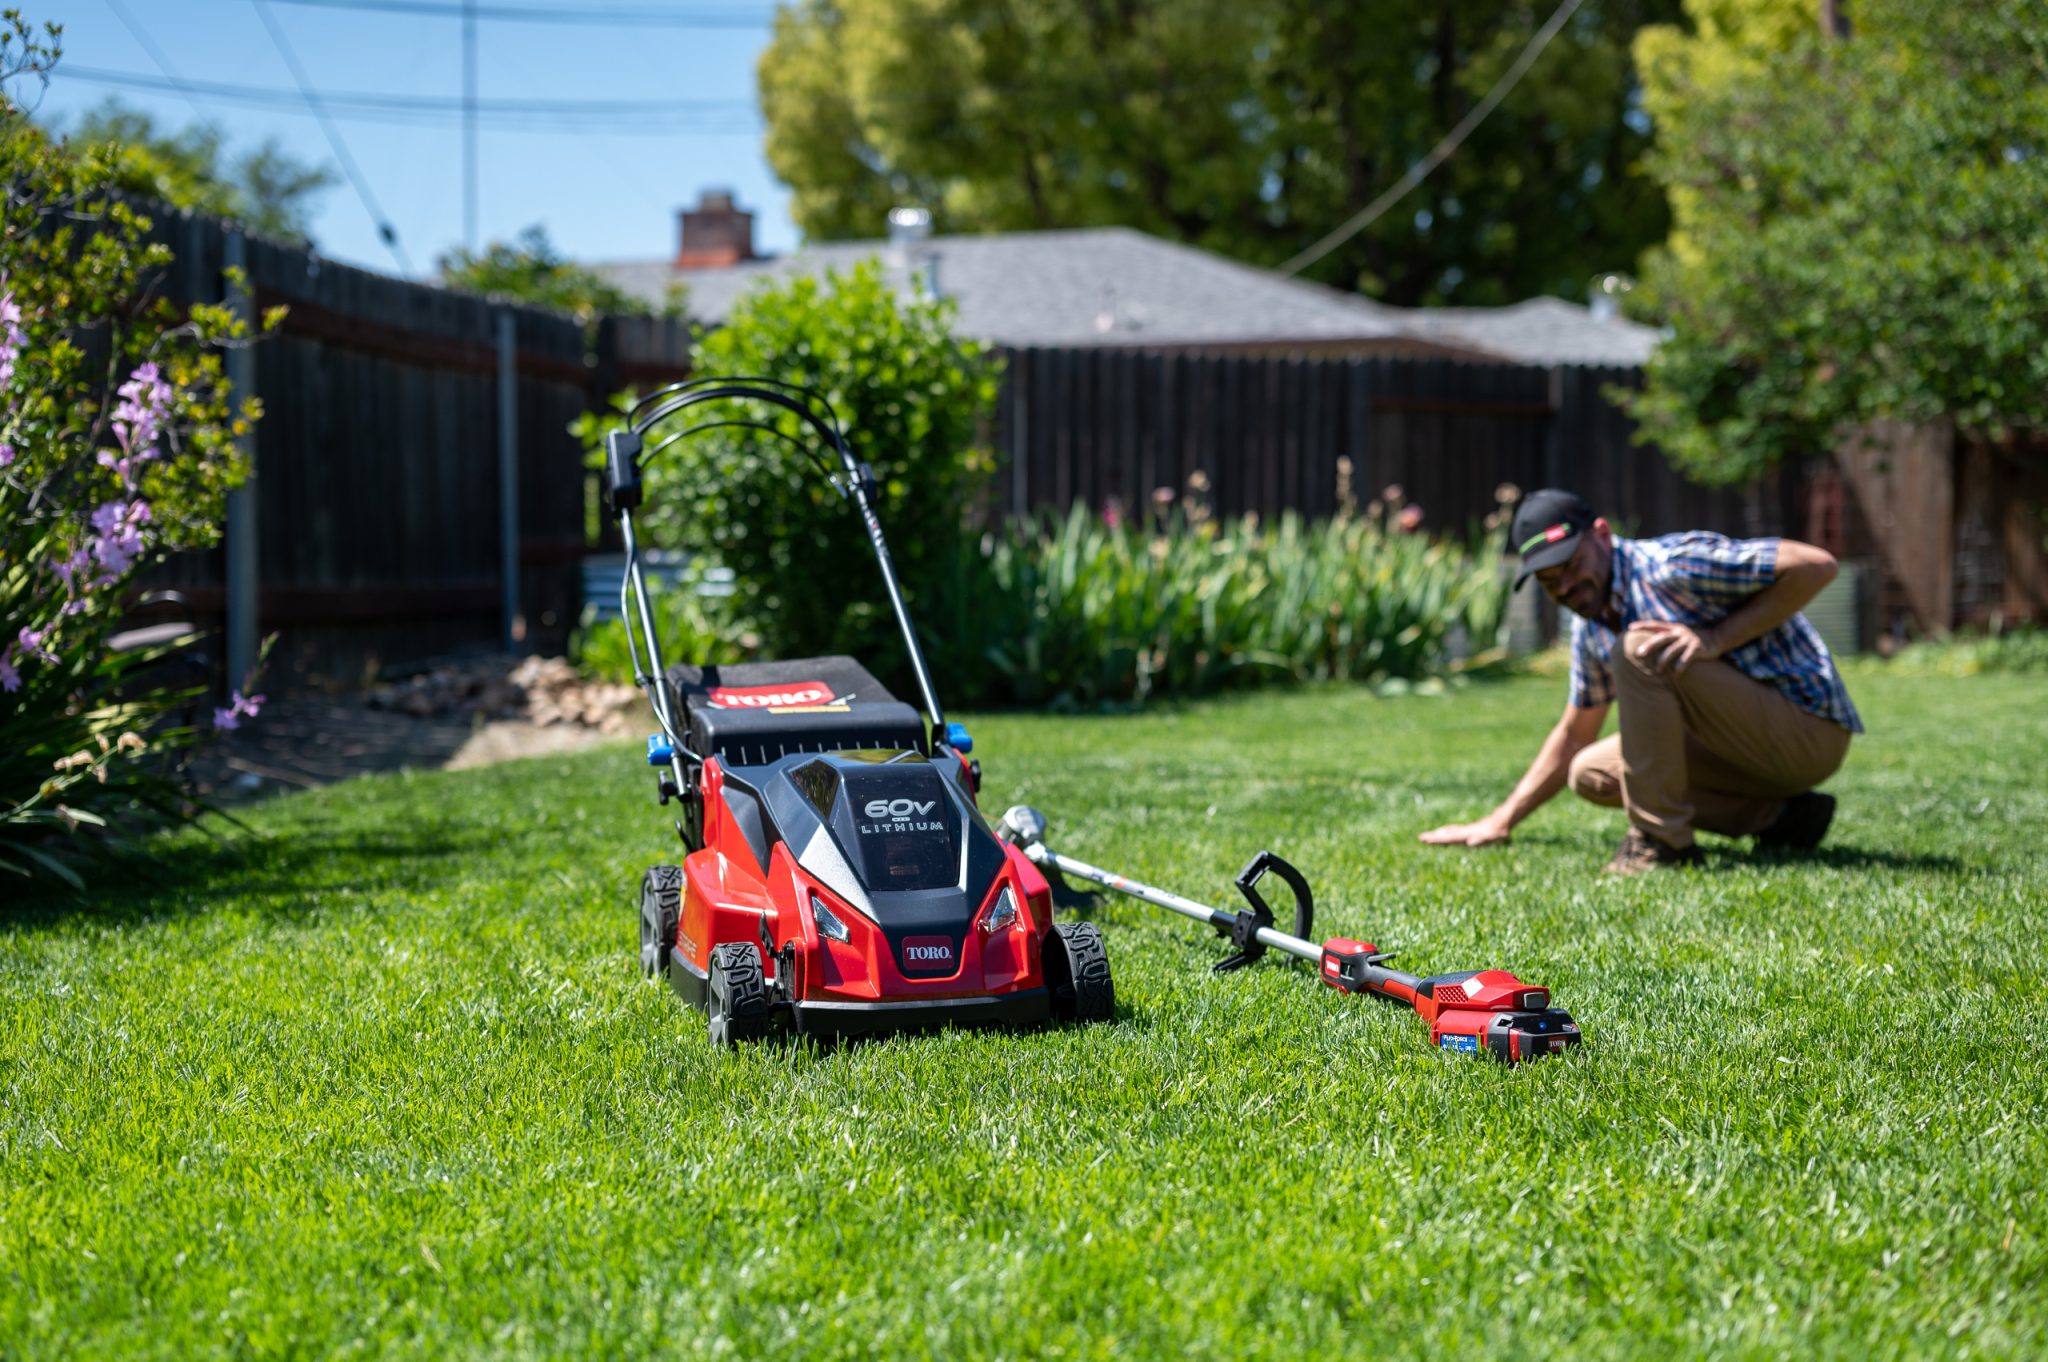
column 1487, row 1011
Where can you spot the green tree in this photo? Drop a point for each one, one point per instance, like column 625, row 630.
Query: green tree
column 1248, row 127
column 914, row 400
column 532, row 270
column 266, row 188
column 1859, row 231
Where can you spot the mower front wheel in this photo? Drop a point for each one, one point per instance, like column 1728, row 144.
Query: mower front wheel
column 661, row 905
column 1077, row 973
column 738, row 1001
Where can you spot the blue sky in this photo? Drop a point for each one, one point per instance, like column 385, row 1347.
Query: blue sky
column 606, row 186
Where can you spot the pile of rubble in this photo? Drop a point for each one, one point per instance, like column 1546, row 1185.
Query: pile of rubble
column 546, row 691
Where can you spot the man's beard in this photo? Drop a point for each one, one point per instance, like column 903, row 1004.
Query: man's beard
column 1587, row 602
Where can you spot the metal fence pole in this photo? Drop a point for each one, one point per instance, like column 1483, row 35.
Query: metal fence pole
column 242, row 542
column 508, row 477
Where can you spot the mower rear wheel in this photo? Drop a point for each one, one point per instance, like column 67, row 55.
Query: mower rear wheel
column 661, row 906
column 738, row 1001
column 1077, row 973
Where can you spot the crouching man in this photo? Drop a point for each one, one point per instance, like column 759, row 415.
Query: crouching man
column 1731, row 707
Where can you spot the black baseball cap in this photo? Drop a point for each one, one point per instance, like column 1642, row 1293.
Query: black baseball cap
column 1547, row 527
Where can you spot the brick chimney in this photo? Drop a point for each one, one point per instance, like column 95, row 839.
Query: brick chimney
column 714, row 233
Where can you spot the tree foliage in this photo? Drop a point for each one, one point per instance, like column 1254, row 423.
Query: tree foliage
column 531, row 270
column 1859, row 232
column 267, row 188
column 1248, row 127
column 914, row 399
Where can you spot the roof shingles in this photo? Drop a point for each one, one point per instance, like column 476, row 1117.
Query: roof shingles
column 1116, row 286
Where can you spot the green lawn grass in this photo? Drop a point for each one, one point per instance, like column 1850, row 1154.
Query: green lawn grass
column 388, row 1081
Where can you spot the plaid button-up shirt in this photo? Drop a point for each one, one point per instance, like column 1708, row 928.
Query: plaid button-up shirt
column 1699, row 579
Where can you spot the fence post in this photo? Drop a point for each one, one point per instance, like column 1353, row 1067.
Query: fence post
column 242, row 543
column 508, row 478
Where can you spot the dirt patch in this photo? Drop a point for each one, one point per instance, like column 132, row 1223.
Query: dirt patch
column 458, row 715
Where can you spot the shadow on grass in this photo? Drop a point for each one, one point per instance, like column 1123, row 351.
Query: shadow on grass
column 1862, row 858
column 190, row 878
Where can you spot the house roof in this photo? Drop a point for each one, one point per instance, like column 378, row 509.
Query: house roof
column 1542, row 331
column 1113, row 286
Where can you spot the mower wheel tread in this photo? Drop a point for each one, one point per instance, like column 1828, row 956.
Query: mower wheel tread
column 738, row 1002
column 1082, row 988
column 661, row 907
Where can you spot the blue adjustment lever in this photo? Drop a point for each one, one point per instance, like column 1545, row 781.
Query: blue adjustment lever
column 659, row 752
column 958, row 738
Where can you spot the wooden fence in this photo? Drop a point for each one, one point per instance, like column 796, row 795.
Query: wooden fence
column 1267, row 434
column 406, row 425
column 393, row 414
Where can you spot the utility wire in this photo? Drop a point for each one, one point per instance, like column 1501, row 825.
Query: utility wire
column 653, row 18
column 348, row 163
column 156, row 54
column 344, row 104
column 1416, row 173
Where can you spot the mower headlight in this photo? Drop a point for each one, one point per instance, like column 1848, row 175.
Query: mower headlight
column 829, row 925
column 1003, row 914
column 1533, row 999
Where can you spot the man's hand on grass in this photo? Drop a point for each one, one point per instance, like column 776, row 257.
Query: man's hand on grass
column 1491, row 830
column 1674, row 647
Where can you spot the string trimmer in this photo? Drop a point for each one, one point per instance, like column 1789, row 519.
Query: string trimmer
column 1486, row 1011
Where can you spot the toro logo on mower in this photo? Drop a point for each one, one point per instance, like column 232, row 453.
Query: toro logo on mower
column 789, row 695
column 927, row 955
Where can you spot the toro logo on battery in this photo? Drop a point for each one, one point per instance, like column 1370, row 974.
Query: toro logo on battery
column 927, row 955
column 789, row 695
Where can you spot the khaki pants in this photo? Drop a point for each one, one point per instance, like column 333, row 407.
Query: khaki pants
column 1707, row 748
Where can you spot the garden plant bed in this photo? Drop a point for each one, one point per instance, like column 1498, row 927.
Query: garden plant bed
column 387, row 1080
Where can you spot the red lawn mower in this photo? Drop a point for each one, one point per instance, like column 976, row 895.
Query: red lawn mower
column 838, row 877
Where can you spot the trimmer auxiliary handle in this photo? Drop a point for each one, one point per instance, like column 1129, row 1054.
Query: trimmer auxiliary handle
column 1472, row 1012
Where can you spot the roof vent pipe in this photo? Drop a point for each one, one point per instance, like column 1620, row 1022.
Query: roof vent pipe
column 908, row 229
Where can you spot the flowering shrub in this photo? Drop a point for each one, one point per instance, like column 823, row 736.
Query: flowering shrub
column 116, row 447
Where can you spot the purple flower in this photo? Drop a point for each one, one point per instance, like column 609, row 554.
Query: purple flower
column 139, row 417
column 240, row 707
column 6, row 454
column 10, row 679
column 32, row 645
column 117, row 528
column 12, row 338
column 67, row 569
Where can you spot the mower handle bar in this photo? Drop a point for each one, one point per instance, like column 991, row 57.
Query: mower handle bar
column 854, row 479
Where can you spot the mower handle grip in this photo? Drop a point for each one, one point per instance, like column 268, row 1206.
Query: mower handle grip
column 1304, row 900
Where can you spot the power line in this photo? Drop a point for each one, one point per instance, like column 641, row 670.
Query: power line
column 156, row 54
column 415, row 108
column 668, row 17
column 348, row 163
column 1416, row 173
column 469, row 125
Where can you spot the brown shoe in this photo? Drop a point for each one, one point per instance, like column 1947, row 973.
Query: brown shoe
column 1801, row 826
column 1639, row 852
